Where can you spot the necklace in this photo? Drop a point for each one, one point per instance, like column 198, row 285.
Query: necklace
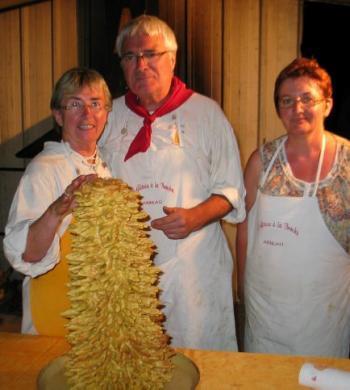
column 92, row 159
column 84, row 165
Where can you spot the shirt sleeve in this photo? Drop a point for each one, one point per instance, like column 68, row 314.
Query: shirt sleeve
column 103, row 141
column 110, row 138
column 115, row 117
column 226, row 176
column 36, row 191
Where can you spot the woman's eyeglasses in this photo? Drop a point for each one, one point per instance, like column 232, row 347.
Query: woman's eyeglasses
column 308, row 101
column 78, row 106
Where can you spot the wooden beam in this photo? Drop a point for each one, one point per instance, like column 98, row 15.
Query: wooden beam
column 65, row 36
column 10, row 98
column 37, row 68
column 279, row 46
column 241, row 71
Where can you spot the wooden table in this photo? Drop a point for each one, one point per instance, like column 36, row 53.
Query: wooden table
column 22, row 357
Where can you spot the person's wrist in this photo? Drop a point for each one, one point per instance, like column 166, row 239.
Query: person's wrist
column 196, row 220
column 54, row 216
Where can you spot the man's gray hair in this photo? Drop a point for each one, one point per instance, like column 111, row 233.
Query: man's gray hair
column 148, row 25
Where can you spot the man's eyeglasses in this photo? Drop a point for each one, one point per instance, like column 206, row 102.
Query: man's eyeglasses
column 307, row 100
column 79, row 106
column 150, row 57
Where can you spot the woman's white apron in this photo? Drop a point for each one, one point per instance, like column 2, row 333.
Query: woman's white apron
column 297, row 281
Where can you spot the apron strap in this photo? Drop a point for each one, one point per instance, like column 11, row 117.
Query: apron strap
column 319, row 167
column 320, row 163
column 280, row 146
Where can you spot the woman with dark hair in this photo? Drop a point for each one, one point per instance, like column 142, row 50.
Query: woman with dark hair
column 294, row 247
column 36, row 237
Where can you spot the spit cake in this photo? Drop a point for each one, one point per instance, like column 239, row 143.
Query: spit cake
column 115, row 325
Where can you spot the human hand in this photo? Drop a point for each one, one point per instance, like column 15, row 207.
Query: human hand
column 64, row 204
column 178, row 222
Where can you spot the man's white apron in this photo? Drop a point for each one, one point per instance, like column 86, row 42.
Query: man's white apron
column 196, row 282
column 297, row 282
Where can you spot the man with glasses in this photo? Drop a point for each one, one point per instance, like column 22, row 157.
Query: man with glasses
column 178, row 150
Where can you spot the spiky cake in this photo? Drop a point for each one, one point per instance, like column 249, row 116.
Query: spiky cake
column 115, row 323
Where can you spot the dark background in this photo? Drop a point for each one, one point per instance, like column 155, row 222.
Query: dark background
column 326, row 33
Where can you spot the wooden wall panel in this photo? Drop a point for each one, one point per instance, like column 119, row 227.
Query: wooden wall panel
column 174, row 12
column 204, row 40
column 38, row 42
column 10, row 96
column 9, row 182
column 65, row 36
column 37, row 68
column 279, row 45
column 240, row 72
column 5, row 4
column 241, row 81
